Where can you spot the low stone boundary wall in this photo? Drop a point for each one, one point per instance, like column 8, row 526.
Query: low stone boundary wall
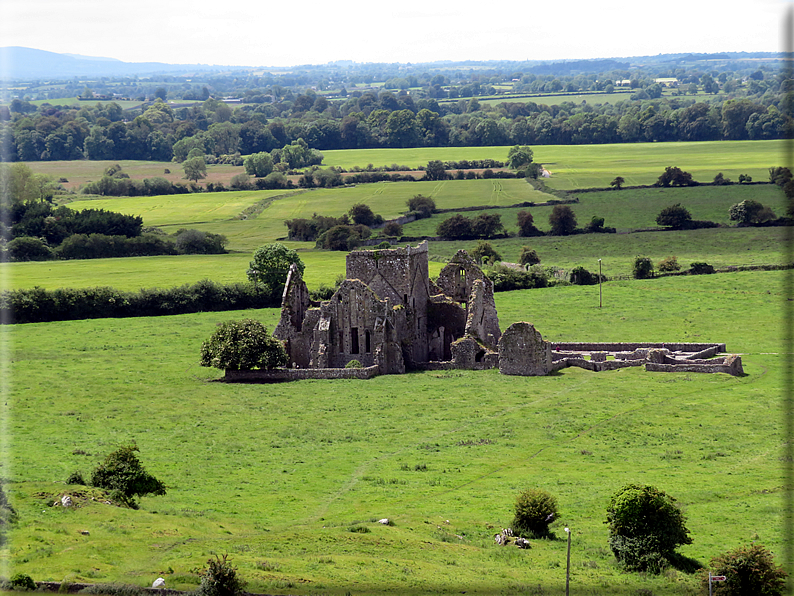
column 296, row 374
column 595, row 366
column 696, row 348
column 452, row 365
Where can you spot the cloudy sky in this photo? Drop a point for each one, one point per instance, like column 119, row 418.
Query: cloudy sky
column 279, row 33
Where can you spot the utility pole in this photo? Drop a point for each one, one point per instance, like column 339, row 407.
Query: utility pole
column 568, row 566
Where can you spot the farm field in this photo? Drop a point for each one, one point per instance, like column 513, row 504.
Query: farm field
column 290, row 478
column 214, row 212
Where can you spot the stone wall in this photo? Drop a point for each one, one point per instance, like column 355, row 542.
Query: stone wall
column 522, row 351
column 295, row 374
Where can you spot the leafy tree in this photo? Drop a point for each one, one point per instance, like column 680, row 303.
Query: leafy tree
column 643, row 268
column 362, row 214
column 675, row 216
column 26, row 248
column 455, row 227
column 535, row 509
column 745, row 178
column 526, row 225
column 747, row 212
column 258, row 164
column 392, row 229
column 720, row 180
column 747, row 570
column 700, row 268
column 195, row 168
column 618, row 182
column 528, row 256
column 645, row 527
column 674, row 176
column 519, row 157
column 219, row 578
column 562, row 220
column 343, row 237
column 485, row 253
column 435, row 170
column 243, row 345
column 122, row 473
column 423, row 205
column 240, row 182
column 487, row 226
column 270, row 266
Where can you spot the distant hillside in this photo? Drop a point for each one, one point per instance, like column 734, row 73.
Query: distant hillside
column 28, row 63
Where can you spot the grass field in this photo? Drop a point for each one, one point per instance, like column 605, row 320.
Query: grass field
column 279, row 475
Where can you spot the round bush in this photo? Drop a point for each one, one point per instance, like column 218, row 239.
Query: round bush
column 747, row 570
column 23, row 581
column 243, row 345
column 535, row 509
column 354, row 364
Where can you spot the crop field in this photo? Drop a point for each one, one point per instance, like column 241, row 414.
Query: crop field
column 290, row 478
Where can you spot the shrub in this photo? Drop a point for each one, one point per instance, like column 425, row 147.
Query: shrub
column 562, row 220
column 195, row 242
column 528, row 256
column 645, row 527
column 484, row 252
column 219, row 578
column 22, row 581
column 343, row 237
column 668, row 264
column 535, row 509
column 354, row 364
column 26, row 248
column 582, row 277
column 270, row 266
column 506, row 278
column 76, row 478
column 700, row 269
column 675, row 216
column 241, row 182
column 123, row 474
column 747, row 570
column 643, row 268
column 243, row 345
column 618, row 182
column 362, row 214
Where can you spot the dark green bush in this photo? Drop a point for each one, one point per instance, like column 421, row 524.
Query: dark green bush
column 76, row 478
column 700, row 269
column 484, row 252
column 535, row 509
column 643, row 268
column 645, row 528
column 582, row 277
column 122, row 473
column 26, row 248
column 243, row 345
column 528, row 256
column 506, row 278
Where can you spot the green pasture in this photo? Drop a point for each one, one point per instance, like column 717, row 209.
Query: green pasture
column 631, row 209
column 590, row 166
column 278, row 475
column 557, row 98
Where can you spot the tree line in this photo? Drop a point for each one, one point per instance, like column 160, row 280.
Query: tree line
column 373, row 120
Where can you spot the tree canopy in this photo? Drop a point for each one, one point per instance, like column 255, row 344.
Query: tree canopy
column 243, row 345
column 270, row 266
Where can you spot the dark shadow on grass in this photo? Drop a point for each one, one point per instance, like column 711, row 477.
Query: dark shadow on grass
column 685, row 564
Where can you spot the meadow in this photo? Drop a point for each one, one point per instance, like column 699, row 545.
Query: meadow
column 290, row 478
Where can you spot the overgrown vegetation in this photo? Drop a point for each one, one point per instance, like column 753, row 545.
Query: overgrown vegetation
column 535, row 510
column 123, row 475
column 747, row 570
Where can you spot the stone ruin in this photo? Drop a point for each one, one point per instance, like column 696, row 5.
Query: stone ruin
column 391, row 317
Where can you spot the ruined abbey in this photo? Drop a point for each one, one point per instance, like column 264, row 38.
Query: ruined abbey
column 389, row 316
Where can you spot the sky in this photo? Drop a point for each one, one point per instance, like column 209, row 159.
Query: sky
column 248, row 33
